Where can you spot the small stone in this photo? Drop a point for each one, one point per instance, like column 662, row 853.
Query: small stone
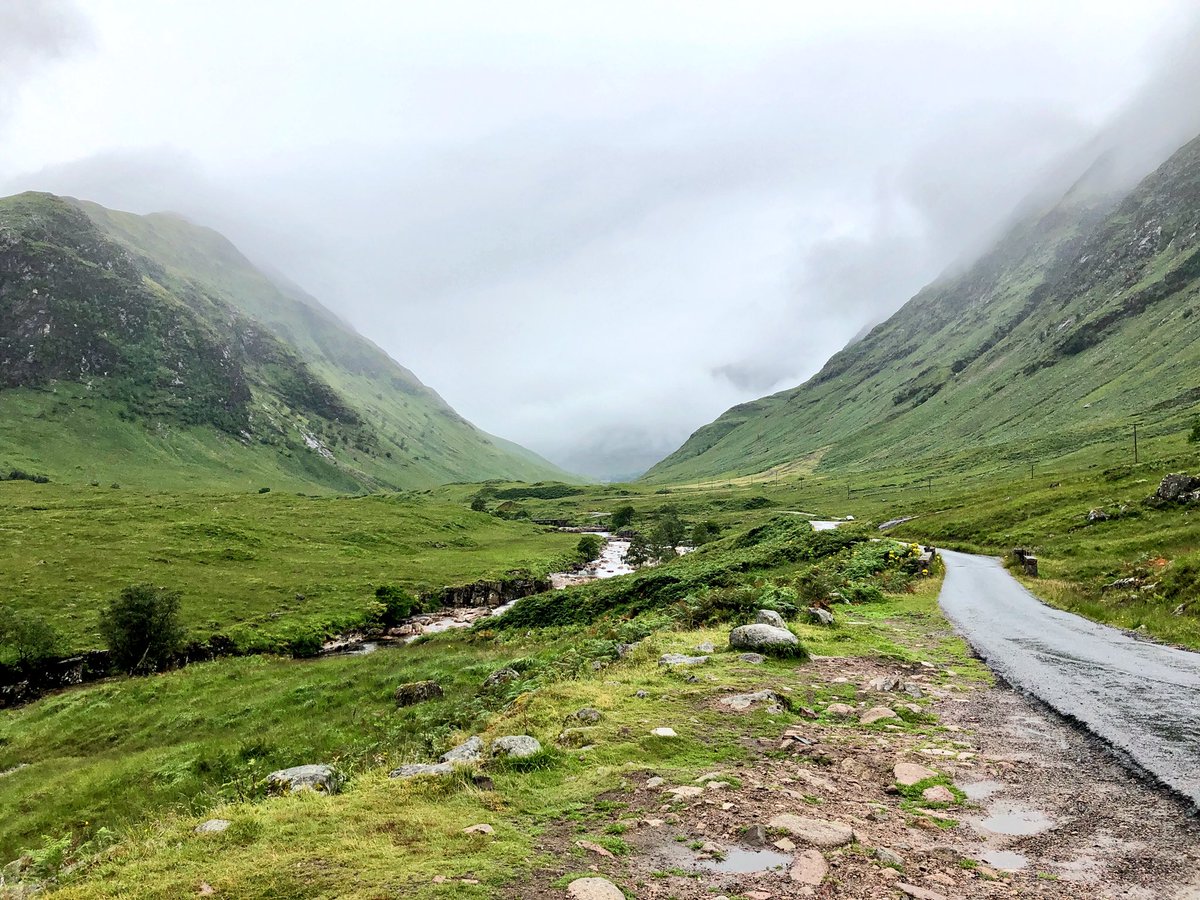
column 593, row 847
column 820, row 616
column 213, row 826
column 938, row 794
column 908, row 774
column 818, row 832
column 687, row 790
column 516, row 746
column 587, row 715
column 877, row 714
column 889, row 858
column 481, row 828
column 664, row 732
column 919, row 893
column 594, row 889
column 642, row 695
column 205, row 889
column 501, row 676
column 755, row 659
column 706, row 647
column 809, row 867
column 755, row 835
column 656, row 782
column 785, row 845
column 745, row 701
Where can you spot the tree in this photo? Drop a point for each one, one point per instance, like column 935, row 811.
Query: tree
column 621, row 517
column 479, row 504
column 1194, row 437
column 28, row 637
column 670, row 531
column 589, row 547
column 142, row 628
column 703, row 532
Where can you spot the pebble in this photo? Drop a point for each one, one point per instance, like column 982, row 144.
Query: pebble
column 842, row 710
column 592, row 847
column 753, row 658
column 686, row 791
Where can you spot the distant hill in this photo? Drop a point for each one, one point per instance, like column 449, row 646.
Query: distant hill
column 148, row 350
column 1083, row 319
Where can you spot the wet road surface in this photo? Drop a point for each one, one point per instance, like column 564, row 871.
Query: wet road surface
column 1142, row 698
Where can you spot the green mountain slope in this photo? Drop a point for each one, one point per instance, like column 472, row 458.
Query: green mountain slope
column 1078, row 323
column 150, row 350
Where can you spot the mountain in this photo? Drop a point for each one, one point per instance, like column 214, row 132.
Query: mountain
column 149, row 350
column 1080, row 321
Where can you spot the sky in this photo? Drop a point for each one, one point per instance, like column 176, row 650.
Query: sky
column 593, row 227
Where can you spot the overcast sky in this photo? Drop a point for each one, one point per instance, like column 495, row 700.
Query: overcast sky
column 591, row 226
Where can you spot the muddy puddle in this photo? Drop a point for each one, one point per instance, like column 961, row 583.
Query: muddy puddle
column 739, row 861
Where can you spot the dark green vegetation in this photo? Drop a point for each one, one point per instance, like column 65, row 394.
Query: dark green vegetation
column 146, row 350
column 1082, row 320
column 141, row 628
column 259, row 571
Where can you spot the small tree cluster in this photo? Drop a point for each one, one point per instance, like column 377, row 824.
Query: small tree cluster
column 589, row 547
column 142, row 629
column 27, row 638
column 622, row 517
column 1194, row 437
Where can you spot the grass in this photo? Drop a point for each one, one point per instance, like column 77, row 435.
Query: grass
column 258, row 568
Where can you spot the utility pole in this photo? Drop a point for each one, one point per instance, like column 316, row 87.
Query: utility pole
column 1135, row 447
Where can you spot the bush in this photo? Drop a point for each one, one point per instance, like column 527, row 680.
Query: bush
column 1194, row 437
column 703, row 532
column 589, row 547
column 398, row 604
column 27, row 638
column 305, row 644
column 479, row 504
column 264, row 490
column 622, row 517
column 141, row 628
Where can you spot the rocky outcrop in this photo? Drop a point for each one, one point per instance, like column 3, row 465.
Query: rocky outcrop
column 1178, row 487
column 490, row 593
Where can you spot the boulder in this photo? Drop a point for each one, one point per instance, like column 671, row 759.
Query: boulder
column 769, row 617
column 594, row 889
column 303, row 778
column 515, row 746
column 469, row 751
column 763, row 638
column 501, row 676
column 418, row 692
column 820, row 616
column 822, row 833
column 680, row 659
column 213, row 826
column 1174, row 486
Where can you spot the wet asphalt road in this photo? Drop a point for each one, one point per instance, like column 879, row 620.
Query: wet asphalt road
column 1142, row 698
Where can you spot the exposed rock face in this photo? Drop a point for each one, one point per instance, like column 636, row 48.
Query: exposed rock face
column 517, row 746
column 303, row 778
column 418, row 692
column 763, row 638
column 769, row 617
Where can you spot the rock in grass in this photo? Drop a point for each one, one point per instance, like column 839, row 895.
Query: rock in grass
column 765, row 639
column 754, row 659
column 889, row 858
column 664, row 732
column 818, row 832
column 841, row 710
column 482, row 828
column 469, row 751
column 681, row 659
column 770, row 699
column 213, row 826
column 820, row 616
column 316, row 777
column 594, row 889
column 418, row 770
column 770, row 617
column 501, row 676
column 877, row 714
column 587, row 715
column 908, row 774
column 418, row 692
column 516, row 746
column 939, row 793
column 706, row 647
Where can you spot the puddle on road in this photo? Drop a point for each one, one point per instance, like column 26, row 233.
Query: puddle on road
column 981, row 790
column 740, row 862
column 1006, row 860
column 1018, row 821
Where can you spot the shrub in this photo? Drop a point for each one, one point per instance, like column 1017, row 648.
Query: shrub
column 264, row 490
column 398, row 604
column 703, row 532
column 1194, row 437
column 27, row 637
column 479, row 504
column 622, row 517
column 305, row 644
column 141, row 628
column 589, row 547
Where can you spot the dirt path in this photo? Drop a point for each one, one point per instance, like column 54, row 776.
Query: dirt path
column 1046, row 813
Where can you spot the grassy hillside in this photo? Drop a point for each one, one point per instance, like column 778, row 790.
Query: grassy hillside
column 166, row 325
column 1080, row 322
